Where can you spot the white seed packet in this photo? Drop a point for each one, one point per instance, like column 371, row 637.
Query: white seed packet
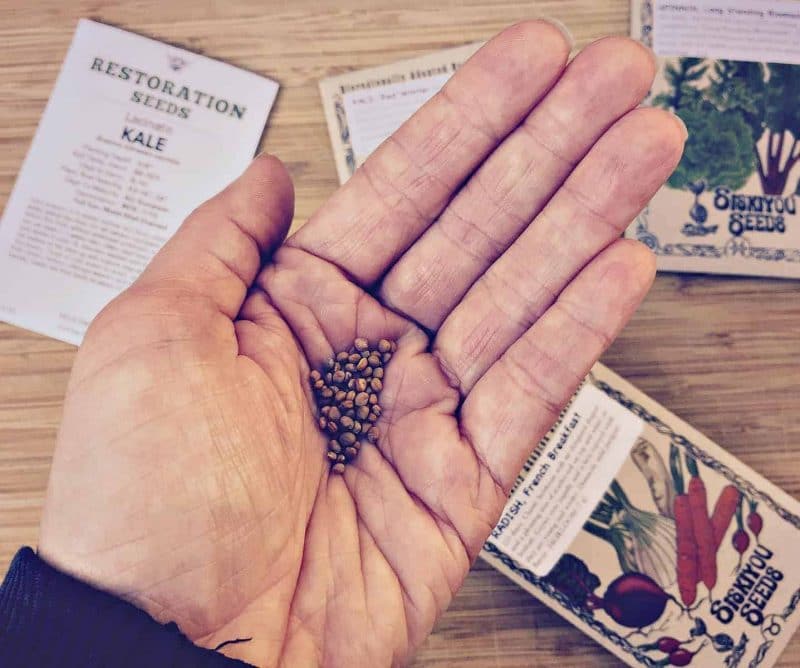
column 135, row 135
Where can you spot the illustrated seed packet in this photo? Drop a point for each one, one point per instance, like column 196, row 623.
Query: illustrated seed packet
column 687, row 556
column 731, row 70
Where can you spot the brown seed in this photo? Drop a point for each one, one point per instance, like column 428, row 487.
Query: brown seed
column 319, row 384
column 341, row 457
column 373, row 434
column 361, row 399
column 373, row 399
column 350, row 452
column 323, row 422
column 329, row 363
column 334, row 445
column 374, row 360
column 385, row 346
column 372, row 417
column 364, row 353
column 334, row 413
column 361, row 385
column 351, row 395
column 357, row 427
column 342, row 357
column 367, row 372
column 324, row 410
column 332, row 456
column 337, row 366
column 351, row 383
column 377, row 410
column 346, row 422
column 351, row 413
column 338, row 377
column 347, row 438
column 329, row 377
column 349, row 367
column 327, row 393
column 347, row 405
column 332, row 427
column 362, row 412
column 340, row 396
column 338, row 468
column 348, row 375
column 362, row 364
column 376, row 384
column 353, row 359
column 378, row 373
column 315, row 376
column 361, row 343
column 387, row 357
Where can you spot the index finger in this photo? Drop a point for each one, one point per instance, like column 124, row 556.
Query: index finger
column 401, row 189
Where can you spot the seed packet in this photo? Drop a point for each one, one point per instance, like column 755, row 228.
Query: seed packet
column 731, row 70
column 136, row 134
column 684, row 556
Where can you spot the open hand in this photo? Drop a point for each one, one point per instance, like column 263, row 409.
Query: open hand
column 189, row 474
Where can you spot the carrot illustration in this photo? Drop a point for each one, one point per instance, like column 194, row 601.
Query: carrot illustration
column 701, row 526
column 724, row 509
column 684, row 534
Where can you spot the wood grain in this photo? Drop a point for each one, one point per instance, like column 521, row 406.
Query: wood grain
column 720, row 352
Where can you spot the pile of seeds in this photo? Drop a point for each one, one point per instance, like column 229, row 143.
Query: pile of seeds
column 347, row 392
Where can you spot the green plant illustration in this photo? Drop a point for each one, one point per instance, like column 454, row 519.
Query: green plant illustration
column 729, row 107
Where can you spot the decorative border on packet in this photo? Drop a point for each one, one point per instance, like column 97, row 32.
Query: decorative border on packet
column 772, row 624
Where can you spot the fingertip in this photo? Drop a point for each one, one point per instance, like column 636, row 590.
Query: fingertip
column 643, row 261
column 563, row 29
column 273, row 176
column 536, row 37
column 631, row 61
column 627, row 268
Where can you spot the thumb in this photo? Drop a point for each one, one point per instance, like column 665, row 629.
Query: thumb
column 217, row 252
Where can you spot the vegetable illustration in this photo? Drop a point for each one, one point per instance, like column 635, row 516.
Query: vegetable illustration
column 701, row 526
column 687, row 549
column 633, row 600
column 681, row 657
column 644, row 541
column 754, row 521
column 573, row 578
column 724, row 509
column 668, row 644
column 652, row 467
column 740, row 538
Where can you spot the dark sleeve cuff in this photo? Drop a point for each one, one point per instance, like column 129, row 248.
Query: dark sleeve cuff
column 48, row 618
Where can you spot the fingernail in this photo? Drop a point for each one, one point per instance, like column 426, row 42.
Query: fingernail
column 564, row 30
column 684, row 129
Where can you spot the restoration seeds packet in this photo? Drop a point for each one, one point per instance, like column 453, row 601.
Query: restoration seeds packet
column 644, row 534
column 135, row 135
column 675, row 554
column 731, row 70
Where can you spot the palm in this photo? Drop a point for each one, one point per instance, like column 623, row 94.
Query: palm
column 189, row 427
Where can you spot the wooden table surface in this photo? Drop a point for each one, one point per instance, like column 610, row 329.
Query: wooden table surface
column 720, row 352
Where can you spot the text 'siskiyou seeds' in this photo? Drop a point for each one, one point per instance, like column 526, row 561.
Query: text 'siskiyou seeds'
column 347, row 390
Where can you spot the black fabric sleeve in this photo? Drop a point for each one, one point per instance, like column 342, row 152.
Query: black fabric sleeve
column 48, row 619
